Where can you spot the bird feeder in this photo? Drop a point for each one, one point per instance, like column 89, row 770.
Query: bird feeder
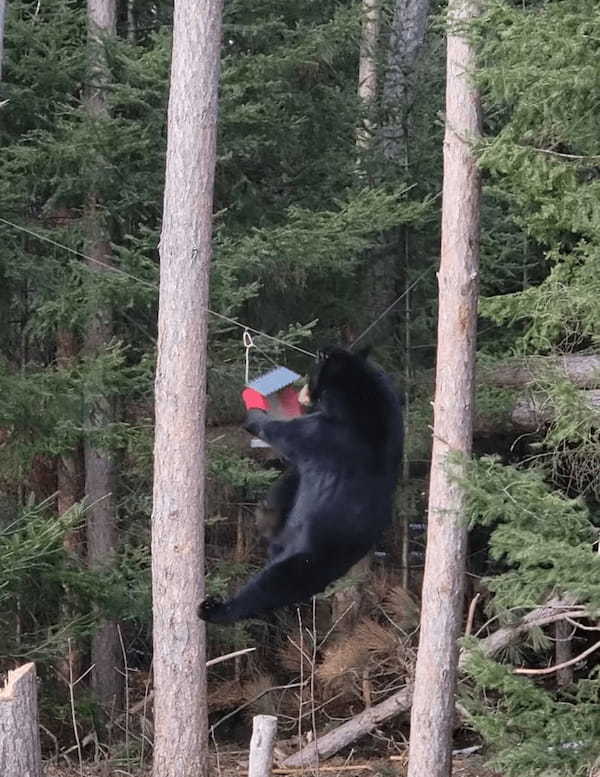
column 276, row 386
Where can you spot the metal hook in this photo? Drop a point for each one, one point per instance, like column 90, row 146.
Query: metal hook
column 248, row 344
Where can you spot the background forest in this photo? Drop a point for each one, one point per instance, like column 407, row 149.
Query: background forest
column 327, row 213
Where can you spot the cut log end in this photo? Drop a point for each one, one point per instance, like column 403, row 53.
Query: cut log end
column 20, row 753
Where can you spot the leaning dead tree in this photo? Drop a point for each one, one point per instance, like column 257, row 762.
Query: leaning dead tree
column 20, row 754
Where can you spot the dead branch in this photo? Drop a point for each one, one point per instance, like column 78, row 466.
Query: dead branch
column 557, row 667
column 366, row 721
column 471, row 614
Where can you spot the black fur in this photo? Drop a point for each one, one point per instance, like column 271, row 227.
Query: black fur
column 346, row 454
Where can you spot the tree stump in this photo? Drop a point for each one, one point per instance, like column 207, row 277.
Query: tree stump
column 264, row 728
column 20, row 753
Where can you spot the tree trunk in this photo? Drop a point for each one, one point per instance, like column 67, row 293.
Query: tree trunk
column 20, row 754
column 367, row 70
column 442, row 596
column 106, row 676
column 69, row 476
column 264, row 729
column 2, row 20
column 180, row 742
column 563, row 653
column 69, row 465
column 406, row 42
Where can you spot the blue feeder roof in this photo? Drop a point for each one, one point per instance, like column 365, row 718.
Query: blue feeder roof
column 273, row 381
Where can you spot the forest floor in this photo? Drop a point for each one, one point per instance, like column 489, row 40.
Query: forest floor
column 235, row 764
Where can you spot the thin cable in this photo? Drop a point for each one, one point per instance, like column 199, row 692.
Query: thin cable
column 155, row 287
column 390, row 307
column 262, row 334
column 78, row 253
column 150, row 285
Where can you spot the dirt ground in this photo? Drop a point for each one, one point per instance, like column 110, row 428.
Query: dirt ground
column 235, row 764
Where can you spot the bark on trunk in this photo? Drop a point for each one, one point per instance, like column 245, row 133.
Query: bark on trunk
column 2, row 19
column 106, row 677
column 367, row 69
column 20, row 754
column 69, row 475
column 406, row 42
column 563, row 653
column 180, row 742
column 432, row 714
column 264, row 729
column 69, row 465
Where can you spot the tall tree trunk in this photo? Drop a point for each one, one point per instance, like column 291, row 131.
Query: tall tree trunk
column 367, row 70
column 346, row 602
column 69, row 466
column 69, row 477
column 180, row 714
column 99, row 468
column 442, row 597
column 407, row 35
column 563, row 653
column 2, row 20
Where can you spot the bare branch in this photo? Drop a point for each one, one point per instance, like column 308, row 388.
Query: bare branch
column 557, row 667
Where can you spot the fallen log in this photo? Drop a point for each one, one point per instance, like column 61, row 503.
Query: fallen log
column 582, row 370
column 365, row 722
column 529, row 413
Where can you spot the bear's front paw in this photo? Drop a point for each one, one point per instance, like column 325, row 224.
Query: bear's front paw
column 211, row 609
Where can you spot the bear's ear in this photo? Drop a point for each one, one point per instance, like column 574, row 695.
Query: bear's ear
column 364, row 352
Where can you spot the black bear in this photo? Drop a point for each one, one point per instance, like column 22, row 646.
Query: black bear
column 345, row 455
column 272, row 511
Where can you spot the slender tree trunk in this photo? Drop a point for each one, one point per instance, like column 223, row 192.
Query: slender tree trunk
column 99, row 467
column 563, row 652
column 2, row 19
column 180, row 741
column 347, row 600
column 367, row 69
column 69, row 476
column 407, row 35
column 131, row 21
column 442, row 597
column 69, row 466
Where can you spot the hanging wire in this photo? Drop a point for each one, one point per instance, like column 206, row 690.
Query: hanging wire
column 150, row 285
column 245, row 327
column 391, row 307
